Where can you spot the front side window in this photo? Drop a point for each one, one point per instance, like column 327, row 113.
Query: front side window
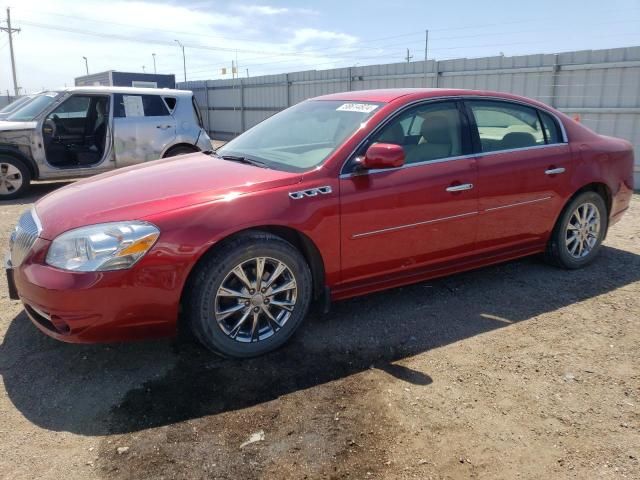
column 126, row 106
column 506, row 126
column 74, row 107
column 303, row 136
column 428, row 132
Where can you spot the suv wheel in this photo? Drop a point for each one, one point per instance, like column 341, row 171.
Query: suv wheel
column 14, row 178
column 579, row 232
column 250, row 296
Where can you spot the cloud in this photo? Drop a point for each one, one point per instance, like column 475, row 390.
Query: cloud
column 262, row 10
column 308, row 35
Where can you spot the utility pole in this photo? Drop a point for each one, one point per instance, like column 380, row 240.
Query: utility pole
column 154, row 62
column 408, row 57
column 86, row 64
column 426, row 52
column 426, row 44
column 184, row 60
column 11, row 31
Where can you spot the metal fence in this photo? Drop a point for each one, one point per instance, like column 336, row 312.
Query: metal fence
column 602, row 87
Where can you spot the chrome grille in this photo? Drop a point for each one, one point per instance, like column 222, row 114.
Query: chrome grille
column 24, row 236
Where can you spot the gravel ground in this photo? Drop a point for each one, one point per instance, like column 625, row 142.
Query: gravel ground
column 515, row 371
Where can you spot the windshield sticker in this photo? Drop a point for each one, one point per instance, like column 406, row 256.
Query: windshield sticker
column 133, row 106
column 357, row 107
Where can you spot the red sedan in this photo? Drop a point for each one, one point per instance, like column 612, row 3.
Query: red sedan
column 338, row 196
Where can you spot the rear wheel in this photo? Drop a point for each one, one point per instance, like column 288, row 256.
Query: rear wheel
column 578, row 235
column 250, row 296
column 14, row 178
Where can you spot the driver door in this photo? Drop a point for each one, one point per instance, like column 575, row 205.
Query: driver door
column 424, row 213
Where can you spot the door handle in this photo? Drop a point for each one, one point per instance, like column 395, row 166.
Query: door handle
column 554, row 171
column 163, row 127
column 460, row 188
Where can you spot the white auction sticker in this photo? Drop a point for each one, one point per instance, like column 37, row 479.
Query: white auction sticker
column 357, row 107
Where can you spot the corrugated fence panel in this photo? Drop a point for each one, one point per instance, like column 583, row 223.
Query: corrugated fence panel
column 601, row 86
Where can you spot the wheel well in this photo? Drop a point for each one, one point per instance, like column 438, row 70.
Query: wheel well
column 193, row 148
column 601, row 189
column 28, row 163
column 296, row 238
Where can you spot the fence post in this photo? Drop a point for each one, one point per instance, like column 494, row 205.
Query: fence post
column 350, row 79
column 554, row 80
column 242, row 116
column 288, row 90
column 206, row 94
column 436, row 71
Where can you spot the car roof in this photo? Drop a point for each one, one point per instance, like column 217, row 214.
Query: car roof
column 409, row 94
column 130, row 90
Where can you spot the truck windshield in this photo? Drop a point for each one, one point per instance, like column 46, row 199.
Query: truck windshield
column 301, row 137
column 33, row 108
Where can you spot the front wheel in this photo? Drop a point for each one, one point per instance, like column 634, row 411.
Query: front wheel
column 14, row 178
column 249, row 297
column 579, row 232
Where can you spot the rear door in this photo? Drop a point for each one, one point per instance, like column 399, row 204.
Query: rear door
column 524, row 165
column 143, row 128
column 425, row 212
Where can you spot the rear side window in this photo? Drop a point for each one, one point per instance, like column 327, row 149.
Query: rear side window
column 171, row 103
column 196, row 112
column 139, row 106
column 551, row 129
column 506, row 126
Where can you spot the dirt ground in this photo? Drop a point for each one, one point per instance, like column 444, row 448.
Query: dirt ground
column 515, row 371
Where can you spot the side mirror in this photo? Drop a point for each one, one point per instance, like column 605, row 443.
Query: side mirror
column 383, row 155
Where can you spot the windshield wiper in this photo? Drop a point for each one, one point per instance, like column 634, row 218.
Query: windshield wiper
column 242, row 159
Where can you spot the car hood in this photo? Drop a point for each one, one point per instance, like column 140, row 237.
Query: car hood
column 7, row 126
column 150, row 188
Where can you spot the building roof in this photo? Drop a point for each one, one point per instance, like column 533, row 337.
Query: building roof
column 130, row 90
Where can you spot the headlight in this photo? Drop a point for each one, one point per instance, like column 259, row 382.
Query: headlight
column 107, row 246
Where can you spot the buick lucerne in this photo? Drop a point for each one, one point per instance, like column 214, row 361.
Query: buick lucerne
column 335, row 197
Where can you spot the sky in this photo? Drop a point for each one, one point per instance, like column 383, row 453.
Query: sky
column 276, row 36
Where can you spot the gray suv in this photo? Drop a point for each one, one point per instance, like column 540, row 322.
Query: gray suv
column 83, row 131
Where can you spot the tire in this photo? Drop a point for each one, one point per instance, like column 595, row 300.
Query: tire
column 567, row 252
column 15, row 178
column 182, row 150
column 208, row 300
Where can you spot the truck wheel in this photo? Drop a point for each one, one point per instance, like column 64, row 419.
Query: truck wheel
column 15, row 178
column 249, row 297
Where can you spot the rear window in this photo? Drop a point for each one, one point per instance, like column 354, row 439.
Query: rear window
column 139, row 106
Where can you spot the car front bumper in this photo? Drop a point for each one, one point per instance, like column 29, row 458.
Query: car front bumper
column 95, row 307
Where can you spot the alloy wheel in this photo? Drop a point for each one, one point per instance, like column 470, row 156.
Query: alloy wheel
column 255, row 299
column 10, row 179
column 583, row 230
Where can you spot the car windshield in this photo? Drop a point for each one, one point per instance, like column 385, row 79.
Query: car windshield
column 301, row 137
column 33, row 108
column 15, row 105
